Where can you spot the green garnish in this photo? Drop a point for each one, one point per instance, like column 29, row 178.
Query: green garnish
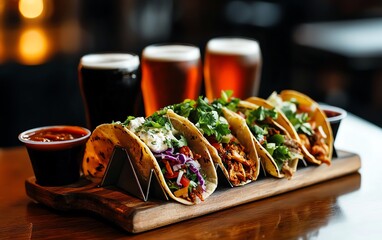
column 278, row 139
column 298, row 120
column 260, row 114
column 274, row 144
column 281, row 154
column 128, row 119
column 180, row 142
column 159, row 122
column 258, row 132
column 184, row 109
column 205, row 116
column 227, row 100
column 300, row 123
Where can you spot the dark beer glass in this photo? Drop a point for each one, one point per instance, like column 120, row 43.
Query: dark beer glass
column 110, row 87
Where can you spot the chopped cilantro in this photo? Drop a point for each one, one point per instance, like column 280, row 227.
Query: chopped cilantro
column 278, row 139
column 298, row 120
column 227, row 100
column 180, row 142
column 260, row 114
column 184, row 109
column 157, row 123
column 128, row 119
column 205, row 115
column 274, row 144
column 258, row 132
column 280, row 155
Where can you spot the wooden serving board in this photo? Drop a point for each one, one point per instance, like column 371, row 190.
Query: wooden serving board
column 135, row 215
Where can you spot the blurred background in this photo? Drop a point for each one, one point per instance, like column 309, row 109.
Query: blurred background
column 328, row 49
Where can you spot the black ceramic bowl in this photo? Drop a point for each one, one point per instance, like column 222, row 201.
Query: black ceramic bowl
column 55, row 153
column 335, row 115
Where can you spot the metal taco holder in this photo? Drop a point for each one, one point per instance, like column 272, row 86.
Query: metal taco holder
column 120, row 172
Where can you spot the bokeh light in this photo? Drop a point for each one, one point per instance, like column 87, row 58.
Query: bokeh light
column 31, row 8
column 33, row 47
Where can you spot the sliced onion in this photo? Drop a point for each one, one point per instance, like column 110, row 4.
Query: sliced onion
column 195, row 164
column 177, row 167
column 179, row 177
column 321, row 130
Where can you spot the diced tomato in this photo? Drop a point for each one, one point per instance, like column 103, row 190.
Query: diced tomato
column 304, row 108
column 184, row 181
column 217, row 145
column 185, row 150
column 168, row 167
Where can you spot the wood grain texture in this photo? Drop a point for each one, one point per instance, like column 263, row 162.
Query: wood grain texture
column 135, row 215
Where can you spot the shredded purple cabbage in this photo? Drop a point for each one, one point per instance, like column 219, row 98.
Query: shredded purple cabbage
column 180, row 158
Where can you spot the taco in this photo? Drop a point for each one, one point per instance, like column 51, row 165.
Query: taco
column 100, row 146
column 164, row 143
column 229, row 139
column 279, row 150
column 309, row 122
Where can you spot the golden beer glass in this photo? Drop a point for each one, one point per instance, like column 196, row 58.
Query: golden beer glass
column 232, row 64
column 170, row 74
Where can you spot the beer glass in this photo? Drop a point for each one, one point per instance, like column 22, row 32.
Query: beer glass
column 232, row 64
column 170, row 74
column 110, row 87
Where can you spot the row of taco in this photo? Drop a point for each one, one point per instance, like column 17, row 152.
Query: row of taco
column 184, row 142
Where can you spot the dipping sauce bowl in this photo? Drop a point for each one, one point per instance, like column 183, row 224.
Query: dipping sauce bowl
column 56, row 153
column 335, row 116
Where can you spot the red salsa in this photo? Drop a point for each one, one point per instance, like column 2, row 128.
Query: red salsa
column 56, row 134
column 331, row 114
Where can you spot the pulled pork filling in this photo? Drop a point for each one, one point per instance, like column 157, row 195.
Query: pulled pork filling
column 290, row 143
column 240, row 167
column 316, row 143
column 293, row 147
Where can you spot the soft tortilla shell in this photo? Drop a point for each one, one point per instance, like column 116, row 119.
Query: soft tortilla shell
column 104, row 138
column 241, row 131
column 281, row 119
column 100, row 147
column 317, row 115
column 197, row 143
column 282, row 123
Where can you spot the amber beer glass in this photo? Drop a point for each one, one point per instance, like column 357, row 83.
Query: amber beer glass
column 110, row 87
column 170, row 74
column 232, row 64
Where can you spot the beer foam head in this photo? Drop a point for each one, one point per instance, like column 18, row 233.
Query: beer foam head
column 234, row 46
column 111, row 61
column 176, row 52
